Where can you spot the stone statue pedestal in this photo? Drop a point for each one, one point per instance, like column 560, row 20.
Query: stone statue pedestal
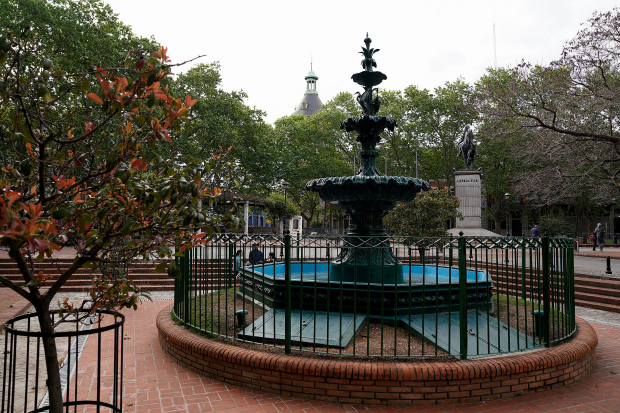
column 468, row 189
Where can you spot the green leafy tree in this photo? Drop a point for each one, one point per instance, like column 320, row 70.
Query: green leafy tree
column 279, row 209
column 552, row 226
column 76, row 34
column 429, row 124
column 496, row 144
column 222, row 120
column 572, row 106
column 315, row 147
column 79, row 177
column 425, row 216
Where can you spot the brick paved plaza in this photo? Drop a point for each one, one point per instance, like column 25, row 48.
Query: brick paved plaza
column 154, row 384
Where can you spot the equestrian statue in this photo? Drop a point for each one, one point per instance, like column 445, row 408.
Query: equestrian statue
column 467, row 148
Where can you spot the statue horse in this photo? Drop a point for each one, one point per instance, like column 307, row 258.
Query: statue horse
column 467, row 148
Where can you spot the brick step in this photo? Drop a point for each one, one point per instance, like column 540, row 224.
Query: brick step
column 605, row 282
column 614, row 308
column 135, row 277
column 64, row 267
column 596, row 298
column 613, row 284
column 74, row 281
column 596, row 294
column 597, row 277
column 151, row 288
column 87, row 275
column 608, row 292
column 55, row 271
column 595, row 286
column 9, row 265
column 169, row 281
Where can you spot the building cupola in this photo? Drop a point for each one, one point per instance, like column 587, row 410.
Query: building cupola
column 310, row 103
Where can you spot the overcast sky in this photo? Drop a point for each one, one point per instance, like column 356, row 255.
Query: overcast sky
column 264, row 47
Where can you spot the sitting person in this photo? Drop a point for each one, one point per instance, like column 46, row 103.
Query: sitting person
column 239, row 264
column 256, row 256
column 271, row 257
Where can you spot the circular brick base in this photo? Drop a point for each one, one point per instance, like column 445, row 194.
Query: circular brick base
column 470, row 381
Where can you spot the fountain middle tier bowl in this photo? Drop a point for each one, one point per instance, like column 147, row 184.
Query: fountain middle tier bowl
column 424, row 289
column 368, row 188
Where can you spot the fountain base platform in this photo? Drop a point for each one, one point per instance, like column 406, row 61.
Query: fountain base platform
column 486, row 334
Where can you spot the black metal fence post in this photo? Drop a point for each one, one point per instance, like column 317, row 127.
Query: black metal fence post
column 231, row 262
column 185, row 263
column 546, row 262
column 463, row 295
column 287, row 293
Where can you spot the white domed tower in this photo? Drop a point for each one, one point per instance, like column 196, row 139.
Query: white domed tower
column 311, row 102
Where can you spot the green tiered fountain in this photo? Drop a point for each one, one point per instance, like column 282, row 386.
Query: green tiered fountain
column 368, row 196
column 326, row 303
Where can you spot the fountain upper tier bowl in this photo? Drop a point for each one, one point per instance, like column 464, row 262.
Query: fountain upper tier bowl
column 367, row 188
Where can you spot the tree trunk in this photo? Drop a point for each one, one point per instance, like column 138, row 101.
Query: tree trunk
column 498, row 225
column 51, row 360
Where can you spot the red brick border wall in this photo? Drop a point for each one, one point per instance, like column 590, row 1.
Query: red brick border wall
column 491, row 378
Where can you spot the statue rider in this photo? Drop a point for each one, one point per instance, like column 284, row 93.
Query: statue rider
column 467, row 148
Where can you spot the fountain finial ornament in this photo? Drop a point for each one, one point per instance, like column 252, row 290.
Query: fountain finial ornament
column 369, row 78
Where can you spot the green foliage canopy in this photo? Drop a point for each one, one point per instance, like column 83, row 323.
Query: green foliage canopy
column 425, row 216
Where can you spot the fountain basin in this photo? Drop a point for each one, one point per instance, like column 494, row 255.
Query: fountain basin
column 313, row 287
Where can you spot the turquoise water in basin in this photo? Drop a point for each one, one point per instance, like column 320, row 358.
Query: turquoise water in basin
column 413, row 274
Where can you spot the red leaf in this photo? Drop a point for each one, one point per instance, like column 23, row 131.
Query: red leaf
column 40, row 244
column 137, row 163
column 31, row 245
column 96, row 98
column 189, row 102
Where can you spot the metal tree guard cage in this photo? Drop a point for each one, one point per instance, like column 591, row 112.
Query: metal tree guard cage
column 99, row 337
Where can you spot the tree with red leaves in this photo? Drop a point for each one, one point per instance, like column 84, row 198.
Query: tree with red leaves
column 78, row 177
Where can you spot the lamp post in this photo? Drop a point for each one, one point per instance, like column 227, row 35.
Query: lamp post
column 285, row 187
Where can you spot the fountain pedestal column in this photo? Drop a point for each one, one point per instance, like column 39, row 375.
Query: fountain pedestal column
column 367, row 255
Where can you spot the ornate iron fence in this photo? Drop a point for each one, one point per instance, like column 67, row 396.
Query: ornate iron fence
column 380, row 296
column 23, row 374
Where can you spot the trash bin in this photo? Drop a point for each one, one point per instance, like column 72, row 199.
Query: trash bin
column 539, row 321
